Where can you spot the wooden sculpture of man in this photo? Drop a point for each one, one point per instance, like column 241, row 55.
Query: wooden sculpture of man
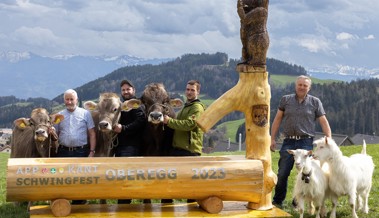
column 254, row 36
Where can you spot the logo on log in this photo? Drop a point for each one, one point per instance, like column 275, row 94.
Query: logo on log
column 260, row 115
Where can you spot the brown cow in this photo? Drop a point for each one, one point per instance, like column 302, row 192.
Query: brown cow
column 30, row 136
column 105, row 115
column 33, row 137
column 157, row 103
column 158, row 136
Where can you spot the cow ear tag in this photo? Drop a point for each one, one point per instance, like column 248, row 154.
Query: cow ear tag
column 22, row 125
column 126, row 108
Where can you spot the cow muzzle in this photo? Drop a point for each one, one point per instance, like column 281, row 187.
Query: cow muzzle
column 155, row 117
column 41, row 135
column 105, row 126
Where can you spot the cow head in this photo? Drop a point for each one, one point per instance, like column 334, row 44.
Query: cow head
column 158, row 103
column 108, row 109
column 40, row 123
column 157, row 110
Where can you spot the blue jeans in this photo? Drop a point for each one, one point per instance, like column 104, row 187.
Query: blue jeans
column 126, row 151
column 182, row 152
column 83, row 152
column 285, row 164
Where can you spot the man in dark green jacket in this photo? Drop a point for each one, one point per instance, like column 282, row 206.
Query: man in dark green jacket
column 188, row 137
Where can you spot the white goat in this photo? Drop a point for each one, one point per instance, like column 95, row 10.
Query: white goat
column 350, row 176
column 311, row 182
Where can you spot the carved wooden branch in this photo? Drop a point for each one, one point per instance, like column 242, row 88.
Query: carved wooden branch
column 251, row 95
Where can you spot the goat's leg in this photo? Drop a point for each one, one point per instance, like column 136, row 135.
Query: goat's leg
column 334, row 199
column 317, row 211
column 358, row 203
column 311, row 207
column 365, row 208
column 323, row 211
column 300, row 206
column 319, row 204
column 352, row 201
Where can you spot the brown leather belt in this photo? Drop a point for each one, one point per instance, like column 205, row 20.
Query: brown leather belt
column 73, row 148
column 299, row 137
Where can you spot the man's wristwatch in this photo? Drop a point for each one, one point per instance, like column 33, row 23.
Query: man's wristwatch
column 92, row 151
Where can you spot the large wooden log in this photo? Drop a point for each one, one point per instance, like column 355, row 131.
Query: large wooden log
column 251, row 95
column 211, row 204
column 227, row 177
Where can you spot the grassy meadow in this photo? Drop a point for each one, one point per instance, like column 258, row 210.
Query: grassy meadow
column 231, row 128
column 7, row 210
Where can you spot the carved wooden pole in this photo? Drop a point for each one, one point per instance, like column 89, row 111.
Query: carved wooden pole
column 251, row 95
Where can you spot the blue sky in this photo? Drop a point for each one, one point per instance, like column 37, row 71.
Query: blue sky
column 314, row 34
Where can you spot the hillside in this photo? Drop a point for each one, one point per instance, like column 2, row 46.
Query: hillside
column 351, row 106
column 24, row 74
column 216, row 72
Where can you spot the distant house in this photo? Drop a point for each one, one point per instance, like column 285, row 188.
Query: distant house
column 5, row 136
column 5, row 133
column 370, row 139
column 5, row 149
column 341, row 140
column 3, row 141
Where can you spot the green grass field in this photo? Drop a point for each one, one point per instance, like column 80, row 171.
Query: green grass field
column 283, row 80
column 231, row 128
column 7, row 210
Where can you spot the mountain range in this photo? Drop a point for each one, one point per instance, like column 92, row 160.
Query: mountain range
column 27, row 75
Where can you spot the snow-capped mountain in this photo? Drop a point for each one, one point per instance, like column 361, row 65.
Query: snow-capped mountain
column 14, row 57
column 25, row 75
column 345, row 73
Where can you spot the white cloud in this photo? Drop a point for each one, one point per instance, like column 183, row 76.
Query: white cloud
column 345, row 36
column 315, row 44
column 303, row 32
column 35, row 36
column 369, row 37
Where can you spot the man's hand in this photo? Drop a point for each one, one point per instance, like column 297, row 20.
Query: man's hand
column 117, row 128
column 166, row 119
column 273, row 146
column 91, row 154
column 53, row 133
